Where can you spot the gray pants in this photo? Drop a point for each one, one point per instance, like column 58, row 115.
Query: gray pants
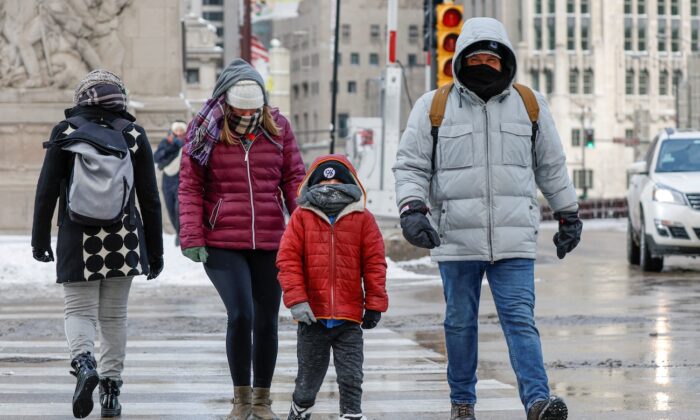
column 88, row 302
column 314, row 343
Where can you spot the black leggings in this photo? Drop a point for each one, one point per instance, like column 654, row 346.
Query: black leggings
column 247, row 283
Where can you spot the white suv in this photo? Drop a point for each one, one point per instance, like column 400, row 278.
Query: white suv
column 663, row 200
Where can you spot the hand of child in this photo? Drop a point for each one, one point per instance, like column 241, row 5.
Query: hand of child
column 301, row 312
column 371, row 319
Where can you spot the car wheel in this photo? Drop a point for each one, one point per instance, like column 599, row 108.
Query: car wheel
column 632, row 246
column 646, row 261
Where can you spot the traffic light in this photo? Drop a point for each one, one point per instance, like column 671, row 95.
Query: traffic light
column 590, row 138
column 449, row 20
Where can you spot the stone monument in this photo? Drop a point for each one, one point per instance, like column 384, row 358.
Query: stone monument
column 47, row 46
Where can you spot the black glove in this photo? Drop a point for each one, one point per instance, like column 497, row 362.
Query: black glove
column 371, row 319
column 569, row 234
column 42, row 254
column 156, row 266
column 416, row 227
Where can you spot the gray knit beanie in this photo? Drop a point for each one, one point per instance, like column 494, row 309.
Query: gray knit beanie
column 97, row 77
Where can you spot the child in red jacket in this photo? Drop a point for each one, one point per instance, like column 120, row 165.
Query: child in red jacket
column 333, row 275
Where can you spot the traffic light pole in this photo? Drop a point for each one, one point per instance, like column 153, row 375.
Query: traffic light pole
column 334, row 94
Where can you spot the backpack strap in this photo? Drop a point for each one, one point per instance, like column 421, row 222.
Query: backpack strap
column 437, row 113
column 533, row 112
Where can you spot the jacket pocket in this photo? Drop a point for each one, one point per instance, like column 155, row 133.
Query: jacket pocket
column 215, row 214
column 455, row 147
column 516, row 144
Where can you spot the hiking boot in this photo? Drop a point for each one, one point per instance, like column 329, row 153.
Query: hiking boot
column 262, row 405
column 551, row 409
column 462, row 412
column 109, row 391
column 242, row 397
column 85, row 370
column 299, row 413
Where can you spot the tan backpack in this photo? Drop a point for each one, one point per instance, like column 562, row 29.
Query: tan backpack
column 437, row 113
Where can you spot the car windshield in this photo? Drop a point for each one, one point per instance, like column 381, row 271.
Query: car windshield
column 681, row 155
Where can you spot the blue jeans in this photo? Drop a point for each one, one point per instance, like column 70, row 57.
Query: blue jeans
column 513, row 288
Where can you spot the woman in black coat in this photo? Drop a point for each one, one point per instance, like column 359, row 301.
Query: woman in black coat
column 96, row 264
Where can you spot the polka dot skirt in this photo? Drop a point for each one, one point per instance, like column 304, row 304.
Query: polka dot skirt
column 111, row 251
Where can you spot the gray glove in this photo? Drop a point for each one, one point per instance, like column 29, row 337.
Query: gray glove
column 301, row 312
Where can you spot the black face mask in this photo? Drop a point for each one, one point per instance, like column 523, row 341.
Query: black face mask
column 484, row 80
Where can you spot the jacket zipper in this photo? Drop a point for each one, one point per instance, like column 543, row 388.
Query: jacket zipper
column 488, row 184
column 250, row 189
column 333, row 270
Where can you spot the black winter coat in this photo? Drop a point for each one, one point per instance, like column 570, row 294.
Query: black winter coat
column 95, row 253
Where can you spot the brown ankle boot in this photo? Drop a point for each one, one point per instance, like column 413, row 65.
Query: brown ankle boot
column 262, row 405
column 242, row 397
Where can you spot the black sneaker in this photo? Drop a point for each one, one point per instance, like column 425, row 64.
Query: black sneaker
column 109, row 393
column 462, row 412
column 299, row 413
column 85, row 370
column 551, row 409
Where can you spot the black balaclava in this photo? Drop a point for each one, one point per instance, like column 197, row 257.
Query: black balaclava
column 485, row 81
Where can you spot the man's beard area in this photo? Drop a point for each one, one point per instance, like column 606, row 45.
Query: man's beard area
column 484, row 80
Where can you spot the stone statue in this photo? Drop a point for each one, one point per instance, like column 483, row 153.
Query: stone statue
column 50, row 43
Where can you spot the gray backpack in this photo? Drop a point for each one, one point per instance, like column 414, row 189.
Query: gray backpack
column 101, row 183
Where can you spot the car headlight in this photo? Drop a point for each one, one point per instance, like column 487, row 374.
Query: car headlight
column 664, row 194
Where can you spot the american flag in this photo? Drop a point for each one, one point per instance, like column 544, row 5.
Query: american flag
column 258, row 50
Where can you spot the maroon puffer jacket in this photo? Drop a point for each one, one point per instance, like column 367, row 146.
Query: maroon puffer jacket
column 235, row 201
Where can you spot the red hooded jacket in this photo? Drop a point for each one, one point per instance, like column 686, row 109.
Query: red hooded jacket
column 328, row 265
column 234, row 202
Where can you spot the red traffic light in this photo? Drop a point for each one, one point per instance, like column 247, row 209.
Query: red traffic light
column 452, row 17
column 449, row 42
column 447, row 68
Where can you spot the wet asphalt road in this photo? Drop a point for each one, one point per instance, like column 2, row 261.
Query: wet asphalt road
column 618, row 343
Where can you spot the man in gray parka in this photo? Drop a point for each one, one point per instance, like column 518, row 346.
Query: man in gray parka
column 484, row 212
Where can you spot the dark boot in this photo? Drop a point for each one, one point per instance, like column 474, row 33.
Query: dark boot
column 551, row 409
column 262, row 405
column 109, row 391
column 242, row 399
column 84, row 369
column 462, row 412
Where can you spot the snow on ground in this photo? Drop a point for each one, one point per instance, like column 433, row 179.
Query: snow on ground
column 619, row 225
column 18, row 268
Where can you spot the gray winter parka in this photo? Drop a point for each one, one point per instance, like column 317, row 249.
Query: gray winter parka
column 483, row 196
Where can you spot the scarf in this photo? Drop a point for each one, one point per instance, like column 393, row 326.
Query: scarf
column 245, row 124
column 103, row 95
column 485, row 81
column 204, row 130
column 330, row 198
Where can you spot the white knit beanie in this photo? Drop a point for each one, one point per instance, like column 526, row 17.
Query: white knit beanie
column 246, row 94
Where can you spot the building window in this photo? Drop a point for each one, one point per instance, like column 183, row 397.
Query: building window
column 213, row 16
column 412, row 60
column 549, row 81
column 641, row 7
column 629, row 133
column 538, row 7
column 535, row 76
column 663, row 82
column 538, row 33
column 644, row 82
column 573, row 81
column 373, row 59
column 661, row 37
column 339, row 57
column 677, row 77
column 628, row 34
column 641, row 35
column 192, row 76
column 694, row 9
column 661, row 7
column 352, row 87
column 551, row 6
column 570, row 6
column 345, row 32
column 694, row 34
column 675, row 35
column 306, row 122
column 295, row 91
column 213, row 2
column 314, row 60
column 629, row 82
column 374, row 35
column 343, row 124
column 628, row 7
column 220, row 31
column 585, row 7
column 355, row 59
column 575, row 137
column 314, row 88
column 413, row 34
column 305, row 89
column 296, row 124
column 551, row 37
column 585, row 29
column 675, row 10
column 570, row 34
column 588, row 82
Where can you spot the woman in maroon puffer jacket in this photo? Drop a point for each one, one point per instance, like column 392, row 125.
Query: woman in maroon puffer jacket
column 240, row 161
